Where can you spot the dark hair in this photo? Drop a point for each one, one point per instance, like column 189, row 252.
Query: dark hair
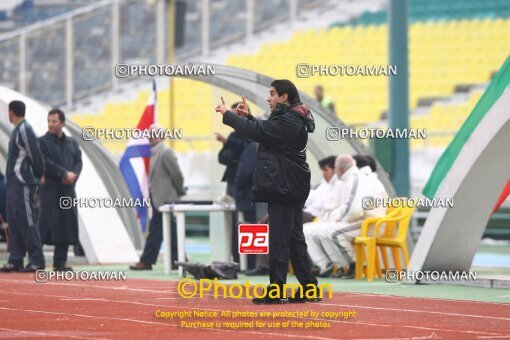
column 59, row 112
column 283, row 86
column 18, row 108
column 234, row 106
column 361, row 161
column 327, row 162
column 371, row 162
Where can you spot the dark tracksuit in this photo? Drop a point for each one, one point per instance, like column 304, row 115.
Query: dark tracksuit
column 281, row 178
column 25, row 166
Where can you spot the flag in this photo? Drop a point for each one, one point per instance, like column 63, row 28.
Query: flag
column 135, row 162
column 502, row 197
column 498, row 89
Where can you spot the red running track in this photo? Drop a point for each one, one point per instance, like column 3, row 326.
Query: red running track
column 126, row 310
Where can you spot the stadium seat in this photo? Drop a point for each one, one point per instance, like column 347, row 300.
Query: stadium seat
column 442, row 56
column 440, row 59
column 364, row 240
column 398, row 224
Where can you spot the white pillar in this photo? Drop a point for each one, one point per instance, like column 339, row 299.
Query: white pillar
column 160, row 32
column 205, row 28
column 115, row 40
column 250, row 18
column 23, row 63
column 293, row 12
column 69, row 63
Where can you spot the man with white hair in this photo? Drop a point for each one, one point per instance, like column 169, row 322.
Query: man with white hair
column 330, row 242
column 165, row 185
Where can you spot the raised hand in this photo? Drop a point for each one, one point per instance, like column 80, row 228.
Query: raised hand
column 222, row 108
column 242, row 109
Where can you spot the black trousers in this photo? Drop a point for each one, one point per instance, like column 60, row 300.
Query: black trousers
column 155, row 238
column 24, row 236
column 287, row 241
column 60, row 254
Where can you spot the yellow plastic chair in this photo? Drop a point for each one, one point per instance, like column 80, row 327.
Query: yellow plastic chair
column 398, row 225
column 360, row 242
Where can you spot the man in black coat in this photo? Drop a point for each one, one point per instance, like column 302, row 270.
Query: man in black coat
column 244, row 183
column 63, row 166
column 281, row 178
column 233, row 147
column 244, row 196
column 229, row 155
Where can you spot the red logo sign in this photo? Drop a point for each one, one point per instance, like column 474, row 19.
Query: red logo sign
column 253, row 239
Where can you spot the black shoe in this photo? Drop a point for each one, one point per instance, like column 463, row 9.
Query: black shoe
column 347, row 275
column 327, row 273
column 257, row 271
column 31, row 268
column 340, row 272
column 9, row 267
column 267, row 300
column 297, row 298
column 62, row 268
column 141, row 266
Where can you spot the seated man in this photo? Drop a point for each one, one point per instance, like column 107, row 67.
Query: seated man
column 330, row 242
column 324, row 193
column 343, row 236
column 368, row 167
column 362, row 164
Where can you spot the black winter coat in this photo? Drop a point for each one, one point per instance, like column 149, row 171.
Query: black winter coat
column 61, row 155
column 244, row 178
column 230, row 153
column 281, row 173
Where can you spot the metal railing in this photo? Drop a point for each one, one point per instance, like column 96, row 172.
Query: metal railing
column 72, row 56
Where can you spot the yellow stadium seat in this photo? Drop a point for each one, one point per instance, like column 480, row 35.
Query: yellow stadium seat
column 367, row 240
column 442, row 55
column 398, row 225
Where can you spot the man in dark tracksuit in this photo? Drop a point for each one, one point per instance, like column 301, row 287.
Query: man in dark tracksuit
column 62, row 156
column 25, row 167
column 281, row 178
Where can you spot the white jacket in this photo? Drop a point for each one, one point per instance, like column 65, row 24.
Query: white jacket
column 321, row 196
column 377, row 191
column 357, row 185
